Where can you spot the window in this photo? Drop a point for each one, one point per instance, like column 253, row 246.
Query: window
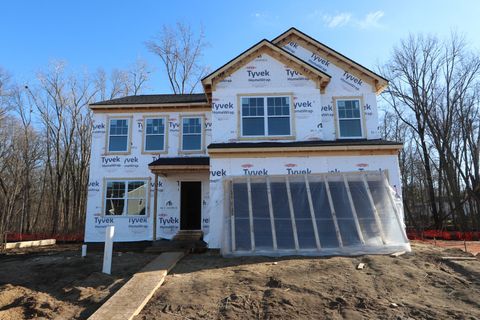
column 118, row 135
column 349, row 118
column 265, row 116
column 192, row 133
column 125, row 198
column 154, row 134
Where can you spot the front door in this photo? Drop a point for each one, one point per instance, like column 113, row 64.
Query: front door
column 190, row 205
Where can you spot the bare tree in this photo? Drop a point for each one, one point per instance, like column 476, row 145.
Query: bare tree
column 434, row 90
column 45, row 146
column 180, row 51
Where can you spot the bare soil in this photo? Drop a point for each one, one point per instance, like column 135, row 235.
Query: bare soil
column 56, row 283
column 418, row 285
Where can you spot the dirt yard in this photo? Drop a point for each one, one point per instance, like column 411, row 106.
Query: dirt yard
column 56, row 283
column 413, row 286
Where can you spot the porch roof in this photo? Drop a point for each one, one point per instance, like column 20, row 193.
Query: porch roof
column 171, row 164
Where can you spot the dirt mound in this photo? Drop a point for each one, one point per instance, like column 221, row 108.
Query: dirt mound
column 56, row 283
column 419, row 285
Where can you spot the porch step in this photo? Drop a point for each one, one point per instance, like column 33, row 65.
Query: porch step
column 188, row 235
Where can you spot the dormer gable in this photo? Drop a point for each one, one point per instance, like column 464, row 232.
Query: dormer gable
column 325, row 55
column 267, row 48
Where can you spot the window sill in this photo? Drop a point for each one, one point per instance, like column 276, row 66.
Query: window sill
column 266, row 138
column 202, row 151
column 116, row 153
column 155, row 152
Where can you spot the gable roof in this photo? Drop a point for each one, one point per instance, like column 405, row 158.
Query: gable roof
column 265, row 46
column 293, row 34
column 155, row 99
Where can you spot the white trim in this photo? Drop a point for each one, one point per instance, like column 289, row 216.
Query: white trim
column 165, row 131
column 202, row 134
column 361, row 118
column 126, row 198
column 129, row 133
column 266, row 116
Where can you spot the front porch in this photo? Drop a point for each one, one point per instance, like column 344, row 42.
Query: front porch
column 184, row 203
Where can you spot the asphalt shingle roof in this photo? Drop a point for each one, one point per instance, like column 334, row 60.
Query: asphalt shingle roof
column 156, row 99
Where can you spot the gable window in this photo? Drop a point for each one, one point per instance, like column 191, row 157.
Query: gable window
column 154, row 134
column 192, row 133
column 125, row 197
column 349, row 118
column 266, row 116
column 118, row 135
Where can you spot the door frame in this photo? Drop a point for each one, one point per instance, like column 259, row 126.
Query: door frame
column 201, row 201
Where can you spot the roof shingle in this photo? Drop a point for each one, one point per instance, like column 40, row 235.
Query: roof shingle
column 155, row 99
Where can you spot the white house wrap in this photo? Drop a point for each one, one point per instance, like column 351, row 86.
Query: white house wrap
column 281, row 154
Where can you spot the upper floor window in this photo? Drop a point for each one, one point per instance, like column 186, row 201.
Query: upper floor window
column 118, row 135
column 154, row 134
column 192, row 133
column 266, row 116
column 125, row 197
column 349, row 118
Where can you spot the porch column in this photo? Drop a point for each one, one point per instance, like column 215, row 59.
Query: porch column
column 155, row 201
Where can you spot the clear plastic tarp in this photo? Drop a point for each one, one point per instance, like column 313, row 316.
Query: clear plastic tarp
column 349, row 213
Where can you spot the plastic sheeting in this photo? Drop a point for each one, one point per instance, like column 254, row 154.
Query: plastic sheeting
column 315, row 214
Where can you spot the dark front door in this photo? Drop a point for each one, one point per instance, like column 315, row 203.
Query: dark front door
column 190, row 205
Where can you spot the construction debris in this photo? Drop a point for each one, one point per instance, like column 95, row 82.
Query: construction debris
column 361, row 266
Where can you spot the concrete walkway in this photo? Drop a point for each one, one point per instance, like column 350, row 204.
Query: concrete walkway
column 134, row 295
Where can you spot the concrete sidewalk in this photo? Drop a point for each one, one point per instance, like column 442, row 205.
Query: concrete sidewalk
column 132, row 297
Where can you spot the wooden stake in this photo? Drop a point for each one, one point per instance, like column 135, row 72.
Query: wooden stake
column 272, row 218
column 375, row 212
column 312, row 213
column 292, row 214
column 334, row 215
column 354, row 211
column 250, row 214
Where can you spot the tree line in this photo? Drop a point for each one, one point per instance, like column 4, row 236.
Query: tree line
column 433, row 106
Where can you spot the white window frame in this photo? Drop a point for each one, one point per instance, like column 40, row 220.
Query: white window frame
column 337, row 115
column 202, row 133
column 126, row 198
column 266, row 116
column 165, row 133
column 129, row 124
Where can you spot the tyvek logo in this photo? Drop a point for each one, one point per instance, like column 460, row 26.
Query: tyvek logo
column 257, row 76
column 351, row 80
column 249, row 172
column 93, row 186
column 114, row 161
column 222, row 106
column 100, row 223
column 319, row 62
column 305, row 106
column 293, row 75
column 291, row 47
column 173, row 124
column 98, row 127
column 218, row 173
column 290, row 170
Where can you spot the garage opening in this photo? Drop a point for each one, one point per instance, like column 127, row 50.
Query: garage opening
column 316, row 214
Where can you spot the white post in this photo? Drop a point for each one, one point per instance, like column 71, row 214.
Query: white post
column 107, row 254
column 84, row 250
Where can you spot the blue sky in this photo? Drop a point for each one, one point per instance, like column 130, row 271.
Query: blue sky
column 111, row 34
